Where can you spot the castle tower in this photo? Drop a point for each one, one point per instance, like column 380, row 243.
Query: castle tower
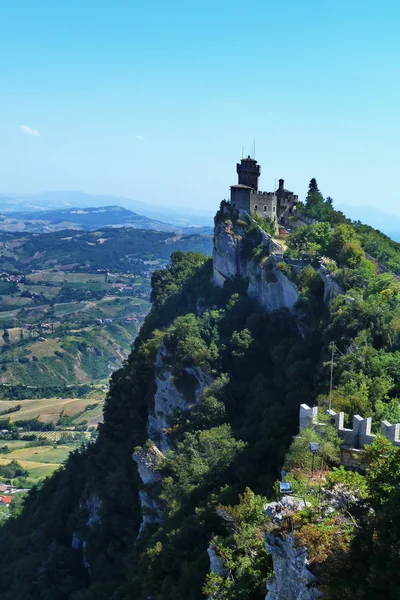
column 249, row 172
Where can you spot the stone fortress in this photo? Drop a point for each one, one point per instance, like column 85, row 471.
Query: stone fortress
column 278, row 205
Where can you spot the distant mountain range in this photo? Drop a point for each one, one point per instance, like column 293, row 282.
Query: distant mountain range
column 86, row 219
column 54, row 211
column 181, row 217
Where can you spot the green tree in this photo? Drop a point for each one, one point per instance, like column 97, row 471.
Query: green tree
column 241, row 551
column 311, row 241
column 300, row 456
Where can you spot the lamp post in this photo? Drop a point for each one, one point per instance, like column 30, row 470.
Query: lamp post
column 314, row 448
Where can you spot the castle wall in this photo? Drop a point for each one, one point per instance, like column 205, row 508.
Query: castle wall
column 264, row 204
column 359, row 435
column 240, row 198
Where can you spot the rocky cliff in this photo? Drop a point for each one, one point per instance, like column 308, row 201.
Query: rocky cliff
column 242, row 249
column 168, row 399
column 292, row 578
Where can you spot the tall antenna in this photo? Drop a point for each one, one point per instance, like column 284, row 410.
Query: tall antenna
column 331, row 381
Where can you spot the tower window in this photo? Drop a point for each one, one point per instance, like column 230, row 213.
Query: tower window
column 255, row 207
column 265, row 208
column 273, row 208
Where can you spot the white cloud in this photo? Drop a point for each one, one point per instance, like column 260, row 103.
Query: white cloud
column 140, row 138
column 29, row 130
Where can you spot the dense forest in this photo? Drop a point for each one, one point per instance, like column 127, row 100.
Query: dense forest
column 78, row 536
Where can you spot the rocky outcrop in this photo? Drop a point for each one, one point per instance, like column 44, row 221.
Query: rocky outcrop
column 331, row 286
column 292, row 578
column 148, row 461
column 168, row 399
column 269, row 286
column 216, row 563
column 92, row 507
column 151, row 512
column 226, row 252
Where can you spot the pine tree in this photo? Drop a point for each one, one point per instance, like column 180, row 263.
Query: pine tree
column 314, row 199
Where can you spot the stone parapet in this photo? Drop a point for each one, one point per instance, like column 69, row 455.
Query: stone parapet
column 359, row 435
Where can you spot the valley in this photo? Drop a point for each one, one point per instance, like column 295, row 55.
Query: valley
column 71, row 305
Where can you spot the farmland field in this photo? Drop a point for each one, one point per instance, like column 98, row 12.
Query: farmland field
column 49, row 409
column 71, row 305
column 42, row 454
column 65, row 276
column 39, row 313
column 36, row 470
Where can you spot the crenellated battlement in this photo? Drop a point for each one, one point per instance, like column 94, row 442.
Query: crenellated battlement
column 270, row 194
column 359, row 435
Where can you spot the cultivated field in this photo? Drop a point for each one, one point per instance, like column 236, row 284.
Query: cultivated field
column 49, row 409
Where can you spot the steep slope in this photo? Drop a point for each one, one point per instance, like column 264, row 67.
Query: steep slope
column 207, row 403
column 197, row 335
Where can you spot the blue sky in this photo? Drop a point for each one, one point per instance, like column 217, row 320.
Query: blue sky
column 154, row 100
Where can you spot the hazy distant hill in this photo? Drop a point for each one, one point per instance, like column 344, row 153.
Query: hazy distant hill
column 182, row 217
column 44, row 221
column 117, row 249
column 86, row 219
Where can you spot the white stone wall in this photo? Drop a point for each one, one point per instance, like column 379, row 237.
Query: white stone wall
column 359, row 435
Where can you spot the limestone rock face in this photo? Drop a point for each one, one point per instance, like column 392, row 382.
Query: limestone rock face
column 168, row 399
column 226, row 252
column 272, row 295
column 331, row 286
column 151, row 512
column 292, row 578
column 92, row 506
column 216, row 563
column 148, row 461
column 277, row 511
column 269, row 286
